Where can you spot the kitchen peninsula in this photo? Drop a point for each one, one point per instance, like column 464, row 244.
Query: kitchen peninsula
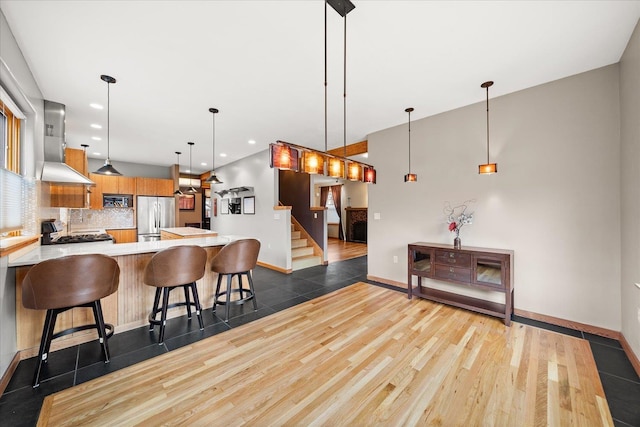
column 185, row 233
column 126, row 309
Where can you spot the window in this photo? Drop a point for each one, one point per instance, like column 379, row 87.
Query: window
column 11, row 183
column 332, row 214
column 10, row 134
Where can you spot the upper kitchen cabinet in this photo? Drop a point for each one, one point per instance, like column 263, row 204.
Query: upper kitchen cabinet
column 71, row 196
column 106, row 184
column 154, row 187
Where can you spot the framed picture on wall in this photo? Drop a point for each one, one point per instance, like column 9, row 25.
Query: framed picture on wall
column 249, row 205
column 187, row 202
column 224, row 206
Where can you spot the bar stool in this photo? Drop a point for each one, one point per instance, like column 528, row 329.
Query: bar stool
column 61, row 284
column 237, row 258
column 171, row 268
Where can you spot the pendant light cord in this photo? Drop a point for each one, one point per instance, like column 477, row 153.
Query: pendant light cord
column 344, row 91
column 213, row 150
column 108, row 121
column 325, row 76
column 409, row 141
column 487, row 124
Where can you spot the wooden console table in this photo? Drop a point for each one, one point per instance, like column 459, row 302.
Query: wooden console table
column 479, row 268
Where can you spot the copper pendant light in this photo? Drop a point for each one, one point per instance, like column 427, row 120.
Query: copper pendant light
column 487, row 168
column 410, row 177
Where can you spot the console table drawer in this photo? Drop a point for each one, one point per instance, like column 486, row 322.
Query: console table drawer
column 453, row 258
column 452, row 273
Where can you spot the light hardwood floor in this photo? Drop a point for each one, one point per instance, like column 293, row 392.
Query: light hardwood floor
column 340, row 250
column 362, row 356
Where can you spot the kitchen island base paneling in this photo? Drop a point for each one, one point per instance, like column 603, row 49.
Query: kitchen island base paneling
column 127, row 308
column 481, row 269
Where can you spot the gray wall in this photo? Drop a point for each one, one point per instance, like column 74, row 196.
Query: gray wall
column 555, row 200
column 18, row 82
column 630, row 177
column 133, row 169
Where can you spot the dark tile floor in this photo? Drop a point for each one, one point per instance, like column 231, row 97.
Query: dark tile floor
column 20, row 404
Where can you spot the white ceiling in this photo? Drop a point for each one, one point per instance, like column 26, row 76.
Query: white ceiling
column 261, row 64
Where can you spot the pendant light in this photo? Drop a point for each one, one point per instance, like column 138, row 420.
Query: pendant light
column 487, row 168
column 108, row 169
column 410, row 177
column 190, row 189
column 178, row 192
column 213, row 179
column 336, row 168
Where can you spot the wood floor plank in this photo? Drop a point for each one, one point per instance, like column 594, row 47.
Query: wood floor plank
column 363, row 355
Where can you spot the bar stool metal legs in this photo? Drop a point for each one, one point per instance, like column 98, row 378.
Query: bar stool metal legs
column 164, row 291
column 250, row 293
column 105, row 331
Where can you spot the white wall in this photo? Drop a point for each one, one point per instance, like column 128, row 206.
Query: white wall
column 555, row 200
column 271, row 227
column 630, row 227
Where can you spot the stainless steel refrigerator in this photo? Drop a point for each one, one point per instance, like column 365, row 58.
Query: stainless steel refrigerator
column 153, row 214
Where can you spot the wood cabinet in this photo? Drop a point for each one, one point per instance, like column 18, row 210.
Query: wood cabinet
column 124, row 235
column 71, row 196
column 106, row 184
column 479, row 268
column 154, row 187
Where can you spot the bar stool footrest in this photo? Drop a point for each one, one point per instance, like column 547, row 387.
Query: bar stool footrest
column 235, row 302
column 152, row 315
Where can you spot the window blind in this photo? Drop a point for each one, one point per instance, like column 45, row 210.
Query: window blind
column 11, row 206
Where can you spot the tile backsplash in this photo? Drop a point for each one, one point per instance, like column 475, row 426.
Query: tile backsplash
column 78, row 219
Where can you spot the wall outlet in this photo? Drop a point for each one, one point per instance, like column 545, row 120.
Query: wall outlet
column 276, row 216
column 639, row 315
column 637, row 285
column 315, row 215
column 376, row 215
column 395, row 259
column 268, row 245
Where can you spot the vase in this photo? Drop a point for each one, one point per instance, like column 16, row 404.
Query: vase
column 457, row 243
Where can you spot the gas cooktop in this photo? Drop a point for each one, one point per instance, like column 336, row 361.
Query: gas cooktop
column 82, row 238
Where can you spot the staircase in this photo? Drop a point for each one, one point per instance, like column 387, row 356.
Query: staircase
column 302, row 251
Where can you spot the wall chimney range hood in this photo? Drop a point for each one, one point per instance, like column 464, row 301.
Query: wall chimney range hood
column 54, row 169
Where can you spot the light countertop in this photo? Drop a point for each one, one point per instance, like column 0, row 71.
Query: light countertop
column 43, row 253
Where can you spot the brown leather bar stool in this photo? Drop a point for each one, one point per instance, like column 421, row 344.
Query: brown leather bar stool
column 237, row 258
column 61, row 284
column 171, row 268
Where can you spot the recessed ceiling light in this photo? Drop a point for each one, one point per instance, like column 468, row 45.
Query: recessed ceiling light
column 95, row 153
column 188, row 171
column 96, row 126
column 365, row 155
column 96, row 106
column 203, row 164
column 223, row 155
column 96, row 138
column 252, row 141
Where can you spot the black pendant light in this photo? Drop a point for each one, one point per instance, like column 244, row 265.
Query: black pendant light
column 178, row 192
column 487, row 168
column 108, row 169
column 213, row 179
column 410, row 177
column 191, row 189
